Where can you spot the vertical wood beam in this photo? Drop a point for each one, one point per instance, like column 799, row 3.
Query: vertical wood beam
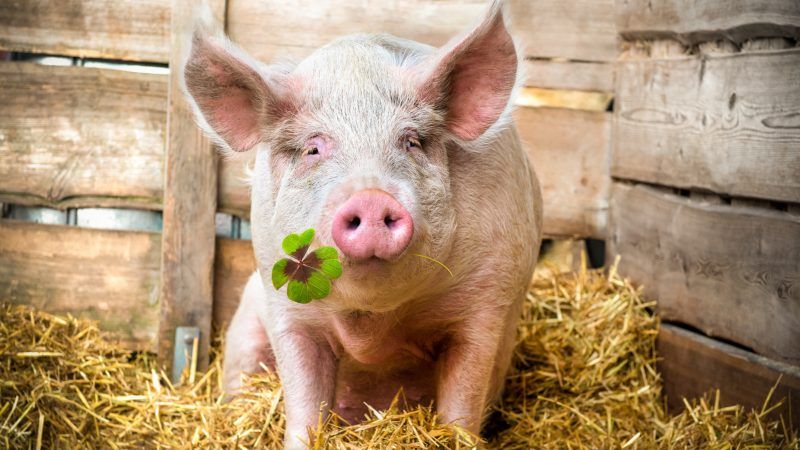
column 190, row 203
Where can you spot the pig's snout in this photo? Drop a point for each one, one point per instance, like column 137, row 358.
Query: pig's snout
column 371, row 223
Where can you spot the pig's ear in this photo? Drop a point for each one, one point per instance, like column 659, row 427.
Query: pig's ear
column 235, row 96
column 472, row 77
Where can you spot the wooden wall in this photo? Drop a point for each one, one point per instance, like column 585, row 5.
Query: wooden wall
column 705, row 199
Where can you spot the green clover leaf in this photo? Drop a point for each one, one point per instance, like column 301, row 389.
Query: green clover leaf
column 308, row 274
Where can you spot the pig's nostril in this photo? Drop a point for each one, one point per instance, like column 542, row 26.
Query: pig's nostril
column 354, row 223
column 388, row 221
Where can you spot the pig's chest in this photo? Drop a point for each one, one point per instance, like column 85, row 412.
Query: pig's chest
column 383, row 339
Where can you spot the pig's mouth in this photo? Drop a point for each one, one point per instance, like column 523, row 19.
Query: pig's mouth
column 371, row 262
column 371, row 266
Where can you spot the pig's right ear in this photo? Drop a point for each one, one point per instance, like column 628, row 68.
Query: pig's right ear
column 234, row 95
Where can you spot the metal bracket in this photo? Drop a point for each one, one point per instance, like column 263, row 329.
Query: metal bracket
column 187, row 341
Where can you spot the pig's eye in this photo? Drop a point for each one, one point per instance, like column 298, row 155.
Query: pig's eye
column 411, row 142
column 317, row 145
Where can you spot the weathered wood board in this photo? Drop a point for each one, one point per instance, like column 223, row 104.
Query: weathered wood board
column 190, row 206
column 569, row 150
column 139, row 31
column 692, row 365
column 132, row 30
column 233, row 265
column 275, row 29
column 575, row 75
column 74, row 136
column 729, row 124
column 293, row 29
column 693, row 21
column 730, row 271
column 234, row 187
column 553, row 98
column 108, row 276
column 582, row 30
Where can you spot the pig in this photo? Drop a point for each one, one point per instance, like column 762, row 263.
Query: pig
column 397, row 154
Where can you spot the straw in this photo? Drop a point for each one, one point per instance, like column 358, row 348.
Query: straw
column 583, row 376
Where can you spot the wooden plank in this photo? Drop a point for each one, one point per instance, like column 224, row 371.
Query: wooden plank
column 234, row 187
column 731, row 272
column 557, row 98
column 562, row 74
column 279, row 29
column 234, row 264
column 77, row 137
column 569, row 150
column 190, row 204
column 692, row 365
column 134, row 30
column 108, row 276
column 730, row 124
column 693, row 21
column 582, row 30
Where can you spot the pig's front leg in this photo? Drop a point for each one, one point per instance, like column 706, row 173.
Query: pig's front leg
column 473, row 366
column 246, row 344
column 307, row 371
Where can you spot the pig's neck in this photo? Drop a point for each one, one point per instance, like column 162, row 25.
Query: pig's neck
column 380, row 337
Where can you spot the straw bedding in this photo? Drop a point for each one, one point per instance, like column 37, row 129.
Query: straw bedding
column 583, row 377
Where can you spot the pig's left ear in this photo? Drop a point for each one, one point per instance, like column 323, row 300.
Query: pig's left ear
column 472, row 77
column 235, row 97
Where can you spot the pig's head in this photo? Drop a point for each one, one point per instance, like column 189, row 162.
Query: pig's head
column 356, row 142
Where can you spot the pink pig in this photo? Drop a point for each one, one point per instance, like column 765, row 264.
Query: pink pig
column 389, row 149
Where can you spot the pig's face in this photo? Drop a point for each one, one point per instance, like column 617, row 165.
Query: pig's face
column 354, row 142
column 365, row 164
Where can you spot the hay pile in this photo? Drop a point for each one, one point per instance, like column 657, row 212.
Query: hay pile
column 584, row 377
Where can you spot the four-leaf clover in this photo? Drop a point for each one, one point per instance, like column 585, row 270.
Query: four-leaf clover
column 309, row 273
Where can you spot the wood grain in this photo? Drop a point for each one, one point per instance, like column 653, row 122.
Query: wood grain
column 108, row 276
column 582, row 30
column 80, row 137
column 270, row 29
column 561, row 74
column 730, row 271
column 729, row 124
column 131, row 30
column 234, row 188
column 190, row 204
column 693, row 365
column 569, row 150
column 234, row 263
column 692, row 21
